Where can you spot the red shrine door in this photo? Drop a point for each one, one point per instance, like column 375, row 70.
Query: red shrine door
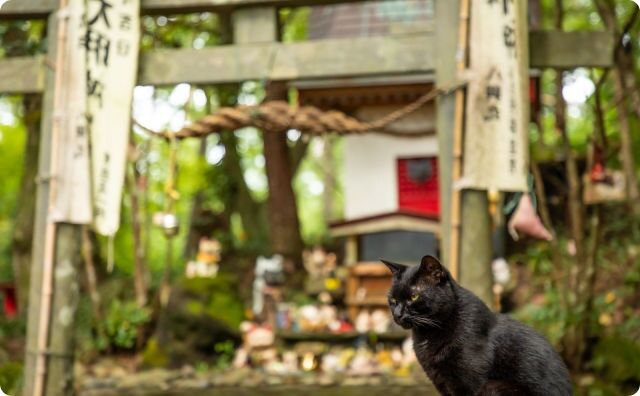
column 418, row 185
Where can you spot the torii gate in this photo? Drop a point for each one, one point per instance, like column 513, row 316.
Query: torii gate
column 257, row 55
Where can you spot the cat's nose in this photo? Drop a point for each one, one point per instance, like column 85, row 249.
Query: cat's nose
column 397, row 311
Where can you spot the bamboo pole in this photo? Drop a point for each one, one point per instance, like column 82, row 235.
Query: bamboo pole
column 51, row 227
column 456, row 173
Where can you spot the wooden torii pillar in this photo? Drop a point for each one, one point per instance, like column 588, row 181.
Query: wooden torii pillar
column 475, row 250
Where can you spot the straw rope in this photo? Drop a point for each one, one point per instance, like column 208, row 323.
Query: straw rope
column 279, row 116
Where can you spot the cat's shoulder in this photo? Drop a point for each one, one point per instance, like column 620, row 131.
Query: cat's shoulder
column 508, row 331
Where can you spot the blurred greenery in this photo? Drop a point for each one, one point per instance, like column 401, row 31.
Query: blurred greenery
column 123, row 322
column 216, row 297
column 225, row 351
column 615, row 315
column 12, row 139
column 10, row 374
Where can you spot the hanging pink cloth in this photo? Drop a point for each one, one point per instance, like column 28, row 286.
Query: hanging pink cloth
column 525, row 220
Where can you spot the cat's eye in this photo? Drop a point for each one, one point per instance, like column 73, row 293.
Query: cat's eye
column 392, row 300
column 414, row 297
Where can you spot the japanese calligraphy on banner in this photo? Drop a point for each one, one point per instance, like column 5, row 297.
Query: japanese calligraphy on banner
column 111, row 46
column 496, row 143
column 72, row 202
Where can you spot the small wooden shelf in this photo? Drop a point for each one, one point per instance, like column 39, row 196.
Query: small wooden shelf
column 376, row 301
column 367, row 287
column 370, row 269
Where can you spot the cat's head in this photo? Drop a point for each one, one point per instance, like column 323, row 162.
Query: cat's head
column 420, row 295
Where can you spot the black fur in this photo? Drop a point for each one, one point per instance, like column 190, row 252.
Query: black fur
column 466, row 349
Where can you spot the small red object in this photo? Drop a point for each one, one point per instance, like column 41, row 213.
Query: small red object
column 345, row 327
column 597, row 173
column 10, row 301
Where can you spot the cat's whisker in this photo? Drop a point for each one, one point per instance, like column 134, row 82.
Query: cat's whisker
column 426, row 321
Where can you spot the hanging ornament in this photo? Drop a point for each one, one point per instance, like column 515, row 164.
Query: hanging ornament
column 597, row 172
column 602, row 184
column 494, row 202
column 526, row 221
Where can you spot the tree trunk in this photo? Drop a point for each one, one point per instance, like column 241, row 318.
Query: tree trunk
column 23, row 227
column 329, row 178
column 626, row 90
column 240, row 199
column 284, row 226
column 572, row 339
column 298, row 152
column 140, row 266
column 194, row 233
column 92, row 280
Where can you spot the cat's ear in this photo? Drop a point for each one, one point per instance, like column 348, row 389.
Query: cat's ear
column 396, row 269
column 431, row 269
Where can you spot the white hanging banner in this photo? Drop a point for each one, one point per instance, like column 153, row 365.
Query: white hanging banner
column 72, row 202
column 496, row 141
column 111, row 43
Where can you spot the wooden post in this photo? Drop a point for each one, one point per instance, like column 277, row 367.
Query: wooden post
column 458, row 134
column 51, row 315
column 476, row 248
column 22, row 241
column 351, row 250
column 255, row 25
column 475, row 237
column 66, row 295
column 446, row 42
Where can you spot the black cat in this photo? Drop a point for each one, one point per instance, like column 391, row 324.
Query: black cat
column 466, row 349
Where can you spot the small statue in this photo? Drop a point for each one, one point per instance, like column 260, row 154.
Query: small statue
column 268, row 272
column 363, row 322
column 207, row 260
column 380, row 320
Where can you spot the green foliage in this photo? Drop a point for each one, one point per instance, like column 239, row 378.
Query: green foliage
column 19, row 38
column 201, row 367
column 12, row 328
column 617, row 358
column 294, row 23
column 12, row 141
column 10, row 375
column 196, row 30
column 123, row 321
column 225, row 352
column 614, row 317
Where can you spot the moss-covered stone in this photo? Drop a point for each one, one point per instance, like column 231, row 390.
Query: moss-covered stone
column 154, row 355
column 201, row 314
column 217, row 297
